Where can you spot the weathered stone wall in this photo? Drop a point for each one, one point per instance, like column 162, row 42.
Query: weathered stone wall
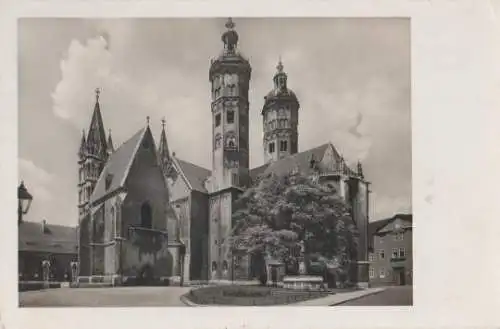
column 145, row 248
column 198, row 236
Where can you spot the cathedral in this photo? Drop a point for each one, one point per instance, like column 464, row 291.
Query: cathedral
column 143, row 211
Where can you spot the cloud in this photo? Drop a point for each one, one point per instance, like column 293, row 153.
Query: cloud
column 36, row 179
column 383, row 206
column 86, row 67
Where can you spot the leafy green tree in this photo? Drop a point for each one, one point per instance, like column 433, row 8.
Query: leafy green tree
column 280, row 213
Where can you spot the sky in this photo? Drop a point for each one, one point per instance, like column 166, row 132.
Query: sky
column 351, row 75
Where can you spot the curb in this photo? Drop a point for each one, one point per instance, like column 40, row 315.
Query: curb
column 189, row 303
column 359, row 297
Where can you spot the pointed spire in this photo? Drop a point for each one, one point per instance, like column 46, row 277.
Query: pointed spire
column 111, row 148
column 83, row 145
column 96, row 138
column 280, row 77
column 360, row 169
column 163, row 147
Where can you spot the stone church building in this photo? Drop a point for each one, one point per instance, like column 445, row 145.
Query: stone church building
column 139, row 204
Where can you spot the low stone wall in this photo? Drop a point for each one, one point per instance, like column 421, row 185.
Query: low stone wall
column 37, row 285
column 304, row 283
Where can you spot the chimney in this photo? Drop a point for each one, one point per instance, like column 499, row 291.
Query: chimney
column 44, row 223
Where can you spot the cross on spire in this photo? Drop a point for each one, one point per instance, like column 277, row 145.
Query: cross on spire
column 279, row 67
column 97, row 93
column 163, row 122
column 230, row 24
column 147, row 120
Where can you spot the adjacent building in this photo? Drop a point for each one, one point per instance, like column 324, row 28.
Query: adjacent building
column 138, row 193
column 391, row 260
column 42, row 241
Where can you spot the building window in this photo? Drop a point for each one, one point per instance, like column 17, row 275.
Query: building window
column 381, row 239
column 214, row 266
column 230, row 116
column 146, row 216
column 399, row 236
column 271, row 147
column 283, row 146
column 382, row 273
column 381, row 254
column 394, row 253
column 371, row 257
column 402, row 252
column 372, row 272
column 235, row 180
column 217, row 120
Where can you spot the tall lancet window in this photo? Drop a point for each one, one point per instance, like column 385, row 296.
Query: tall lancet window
column 146, row 216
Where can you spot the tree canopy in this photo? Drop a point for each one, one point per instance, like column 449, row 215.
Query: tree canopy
column 281, row 214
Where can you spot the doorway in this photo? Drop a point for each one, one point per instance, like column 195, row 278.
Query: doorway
column 399, row 276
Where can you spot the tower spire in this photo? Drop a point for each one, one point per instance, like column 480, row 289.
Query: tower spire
column 111, row 148
column 96, row 138
column 230, row 37
column 164, row 158
column 83, row 145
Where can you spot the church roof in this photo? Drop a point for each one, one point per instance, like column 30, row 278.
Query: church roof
column 117, row 166
column 55, row 239
column 300, row 161
column 195, row 175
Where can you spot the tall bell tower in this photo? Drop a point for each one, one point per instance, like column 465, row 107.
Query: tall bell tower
column 92, row 156
column 229, row 77
column 280, row 116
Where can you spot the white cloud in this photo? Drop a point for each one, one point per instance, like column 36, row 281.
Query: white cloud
column 36, row 179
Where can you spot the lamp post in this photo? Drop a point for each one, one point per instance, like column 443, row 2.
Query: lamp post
column 24, row 199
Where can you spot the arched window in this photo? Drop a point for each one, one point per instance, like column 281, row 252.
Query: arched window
column 146, row 216
column 214, row 266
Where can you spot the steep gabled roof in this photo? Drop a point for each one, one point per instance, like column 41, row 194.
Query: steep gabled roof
column 117, row 166
column 374, row 226
column 194, row 174
column 56, row 239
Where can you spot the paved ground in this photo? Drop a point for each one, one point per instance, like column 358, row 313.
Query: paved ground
column 120, row 296
column 392, row 296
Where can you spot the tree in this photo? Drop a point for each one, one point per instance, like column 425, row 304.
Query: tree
column 280, row 212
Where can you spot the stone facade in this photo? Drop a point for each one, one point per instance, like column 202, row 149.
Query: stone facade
column 190, row 205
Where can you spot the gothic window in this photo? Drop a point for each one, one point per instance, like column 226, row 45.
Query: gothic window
column 109, row 179
column 235, row 179
column 285, row 123
column 214, row 266
column 271, row 147
column 283, row 146
column 146, row 215
column 230, row 141
column 217, row 120
column 230, row 116
column 218, row 139
column 281, row 112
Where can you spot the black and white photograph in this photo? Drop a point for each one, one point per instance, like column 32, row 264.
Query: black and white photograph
column 214, row 162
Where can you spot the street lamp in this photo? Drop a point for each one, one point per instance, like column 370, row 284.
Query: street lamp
column 24, row 199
